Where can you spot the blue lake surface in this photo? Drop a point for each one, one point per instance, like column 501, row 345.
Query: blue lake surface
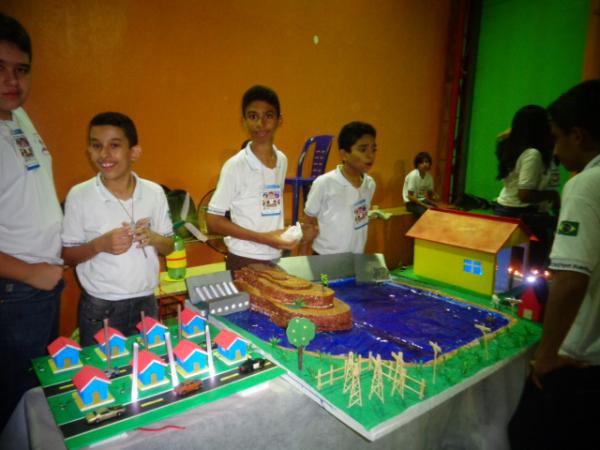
column 388, row 318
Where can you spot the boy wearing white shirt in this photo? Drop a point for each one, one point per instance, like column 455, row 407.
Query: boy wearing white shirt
column 115, row 226
column 418, row 191
column 30, row 218
column 251, row 188
column 338, row 201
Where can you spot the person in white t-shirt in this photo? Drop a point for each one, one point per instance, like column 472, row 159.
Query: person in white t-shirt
column 524, row 163
column 563, row 390
column 338, row 201
column 30, row 217
column 115, row 226
column 250, row 188
column 418, row 193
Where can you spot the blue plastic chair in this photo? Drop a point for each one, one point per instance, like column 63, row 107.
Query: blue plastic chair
column 321, row 145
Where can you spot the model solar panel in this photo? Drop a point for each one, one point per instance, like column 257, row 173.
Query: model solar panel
column 217, row 294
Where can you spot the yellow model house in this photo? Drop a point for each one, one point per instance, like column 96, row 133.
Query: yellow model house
column 467, row 250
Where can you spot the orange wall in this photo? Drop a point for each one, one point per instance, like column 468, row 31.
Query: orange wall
column 179, row 69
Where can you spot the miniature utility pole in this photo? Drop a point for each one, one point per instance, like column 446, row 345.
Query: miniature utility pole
column 106, row 346
column 144, row 335
column 134, row 373
column 174, row 378
column 348, row 365
column 178, row 321
column 377, row 382
column 436, row 351
column 355, row 389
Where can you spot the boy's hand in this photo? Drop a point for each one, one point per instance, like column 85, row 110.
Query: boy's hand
column 309, row 232
column 116, row 241
column 273, row 238
column 44, row 276
column 142, row 234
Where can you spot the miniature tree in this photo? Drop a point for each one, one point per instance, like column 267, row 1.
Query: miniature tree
column 298, row 304
column 300, row 332
column 274, row 341
column 324, row 280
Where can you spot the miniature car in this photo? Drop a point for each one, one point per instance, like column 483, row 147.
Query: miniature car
column 102, row 414
column 250, row 365
column 187, row 387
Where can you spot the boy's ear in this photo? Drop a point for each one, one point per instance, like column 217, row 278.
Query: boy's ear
column 136, row 152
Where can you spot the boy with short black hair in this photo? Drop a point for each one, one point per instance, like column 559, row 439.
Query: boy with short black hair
column 338, row 201
column 115, row 225
column 251, row 187
column 564, row 386
column 30, row 218
column 418, row 191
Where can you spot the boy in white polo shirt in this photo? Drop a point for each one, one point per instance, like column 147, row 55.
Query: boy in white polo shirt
column 417, row 193
column 564, row 386
column 251, row 187
column 30, row 217
column 338, row 202
column 115, row 225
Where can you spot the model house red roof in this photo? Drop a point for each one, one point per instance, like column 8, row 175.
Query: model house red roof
column 88, row 374
column 150, row 323
column 99, row 336
column 146, row 359
column 184, row 349
column 60, row 343
column 488, row 234
column 187, row 315
column 226, row 338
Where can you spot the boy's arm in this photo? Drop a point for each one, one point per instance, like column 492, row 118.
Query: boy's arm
column 42, row 276
column 310, row 230
column 144, row 236
column 413, row 199
column 116, row 241
column 221, row 225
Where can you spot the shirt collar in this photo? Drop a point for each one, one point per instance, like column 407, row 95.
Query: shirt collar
column 255, row 163
column 341, row 179
column 594, row 162
column 108, row 196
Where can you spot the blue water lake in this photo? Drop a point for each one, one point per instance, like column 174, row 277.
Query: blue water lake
column 388, row 317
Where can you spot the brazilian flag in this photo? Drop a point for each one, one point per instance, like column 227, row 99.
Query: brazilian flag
column 568, row 228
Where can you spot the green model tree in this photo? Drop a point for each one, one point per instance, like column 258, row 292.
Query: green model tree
column 300, row 332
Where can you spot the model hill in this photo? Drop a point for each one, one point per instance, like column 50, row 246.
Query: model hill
column 282, row 296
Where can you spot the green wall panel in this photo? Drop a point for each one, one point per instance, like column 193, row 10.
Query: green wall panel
column 530, row 51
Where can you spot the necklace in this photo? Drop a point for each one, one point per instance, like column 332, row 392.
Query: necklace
column 122, row 205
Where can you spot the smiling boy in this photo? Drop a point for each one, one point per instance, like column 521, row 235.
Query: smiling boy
column 115, row 226
column 338, row 201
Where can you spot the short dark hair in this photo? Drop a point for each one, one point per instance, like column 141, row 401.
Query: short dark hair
column 579, row 107
column 12, row 31
column 116, row 120
column 422, row 157
column 261, row 93
column 352, row 132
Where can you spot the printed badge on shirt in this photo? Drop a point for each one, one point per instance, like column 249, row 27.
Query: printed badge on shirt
column 360, row 212
column 24, row 148
column 271, row 200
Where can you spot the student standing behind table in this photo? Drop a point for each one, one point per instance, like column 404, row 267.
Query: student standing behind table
column 563, row 390
column 30, row 218
column 115, row 226
column 524, row 162
column 250, row 187
column 418, row 193
column 338, row 202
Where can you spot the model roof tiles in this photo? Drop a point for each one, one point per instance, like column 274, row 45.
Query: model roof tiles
column 86, row 375
column 226, row 338
column 99, row 336
column 146, row 359
column 187, row 315
column 184, row 349
column 60, row 344
column 488, row 234
column 150, row 323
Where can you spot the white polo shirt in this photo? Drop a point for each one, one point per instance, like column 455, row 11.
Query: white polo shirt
column 240, row 191
column 528, row 173
column 333, row 200
column 91, row 210
column 420, row 186
column 577, row 248
column 30, row 215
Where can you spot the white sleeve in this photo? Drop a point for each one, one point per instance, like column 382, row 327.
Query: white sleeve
column 314, row 202
column 411, row 183
column 73, row 234
column 530, row 168
column 222, row 198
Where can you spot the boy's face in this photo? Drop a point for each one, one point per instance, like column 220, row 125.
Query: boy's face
column 361, row 157
column 15, row 78
column 261, row 121
column 424, row 166
column 110, row 152
column 567, row 147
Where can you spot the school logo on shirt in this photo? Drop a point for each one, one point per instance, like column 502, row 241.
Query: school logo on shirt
column 567, row 228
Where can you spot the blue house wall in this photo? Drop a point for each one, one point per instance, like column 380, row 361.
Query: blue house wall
column 195, row 358
column 195, row 326
column 238, row 345
column 67, row 353
column 99, row 386
column 153, row 368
